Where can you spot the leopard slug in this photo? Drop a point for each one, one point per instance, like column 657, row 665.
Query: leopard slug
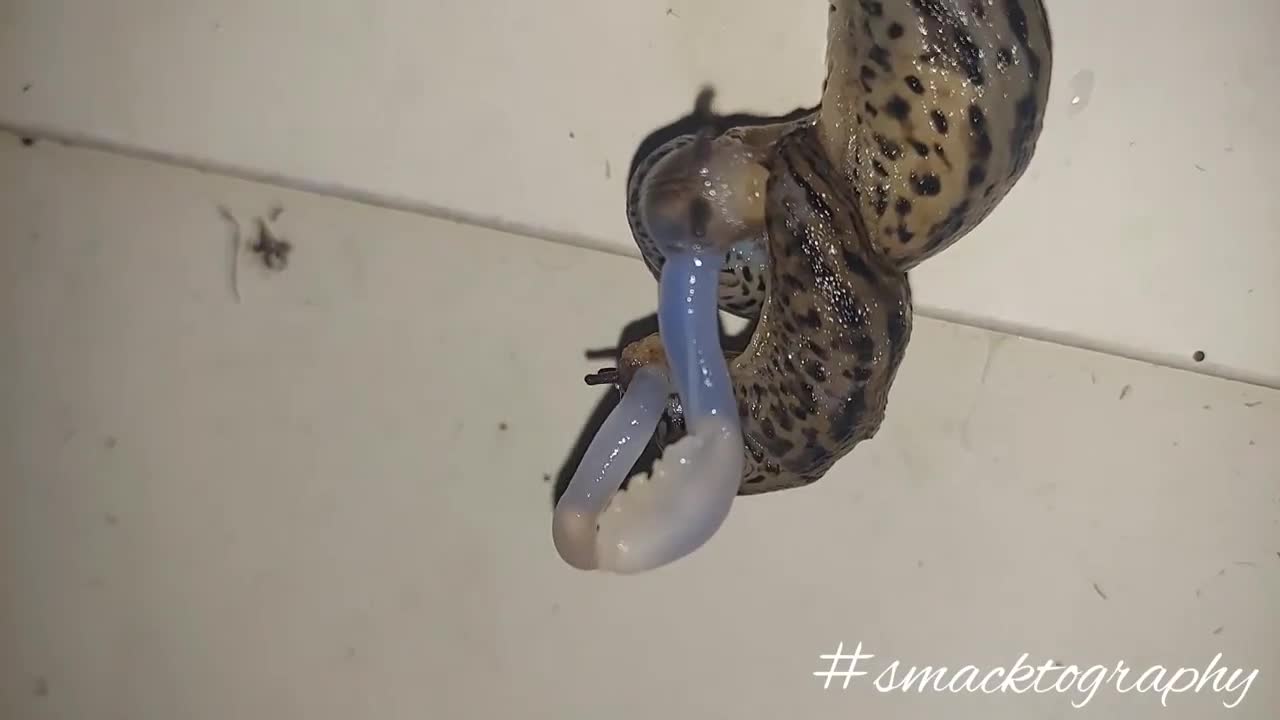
column 930, row 114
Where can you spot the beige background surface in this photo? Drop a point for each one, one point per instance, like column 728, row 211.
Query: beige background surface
column 328, row 494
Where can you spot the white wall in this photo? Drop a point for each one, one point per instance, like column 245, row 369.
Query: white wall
column 326, row 498
column 1144, row 227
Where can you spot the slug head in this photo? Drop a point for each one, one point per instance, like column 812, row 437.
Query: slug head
column 704, row 196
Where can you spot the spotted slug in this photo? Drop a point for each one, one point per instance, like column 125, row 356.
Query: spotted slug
column 929, row 115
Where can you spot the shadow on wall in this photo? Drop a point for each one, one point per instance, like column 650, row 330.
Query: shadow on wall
column 699, row 118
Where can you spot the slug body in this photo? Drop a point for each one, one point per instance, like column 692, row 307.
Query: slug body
column 930, row 114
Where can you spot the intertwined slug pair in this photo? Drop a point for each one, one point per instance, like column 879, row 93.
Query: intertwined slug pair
column 930, row 114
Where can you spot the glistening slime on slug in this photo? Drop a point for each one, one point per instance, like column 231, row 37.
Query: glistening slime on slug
column 930, row 114
column 689, row 492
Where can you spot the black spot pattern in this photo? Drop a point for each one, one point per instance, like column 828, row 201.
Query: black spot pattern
column 897, row 108
column 926, row 184
column 939, row 121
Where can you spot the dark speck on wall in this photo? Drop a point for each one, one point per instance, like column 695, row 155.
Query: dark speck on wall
column 1198, row 356
column 28, row 141
column 571, row 135
column 110, row 442
column 26, row 88
column 273, row 250
column 40, row 687
column 546, row 477
column 503, row 426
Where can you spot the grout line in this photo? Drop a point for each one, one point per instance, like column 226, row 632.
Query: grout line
column 363, row 197
column 1077, row 342
column 329, row 190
